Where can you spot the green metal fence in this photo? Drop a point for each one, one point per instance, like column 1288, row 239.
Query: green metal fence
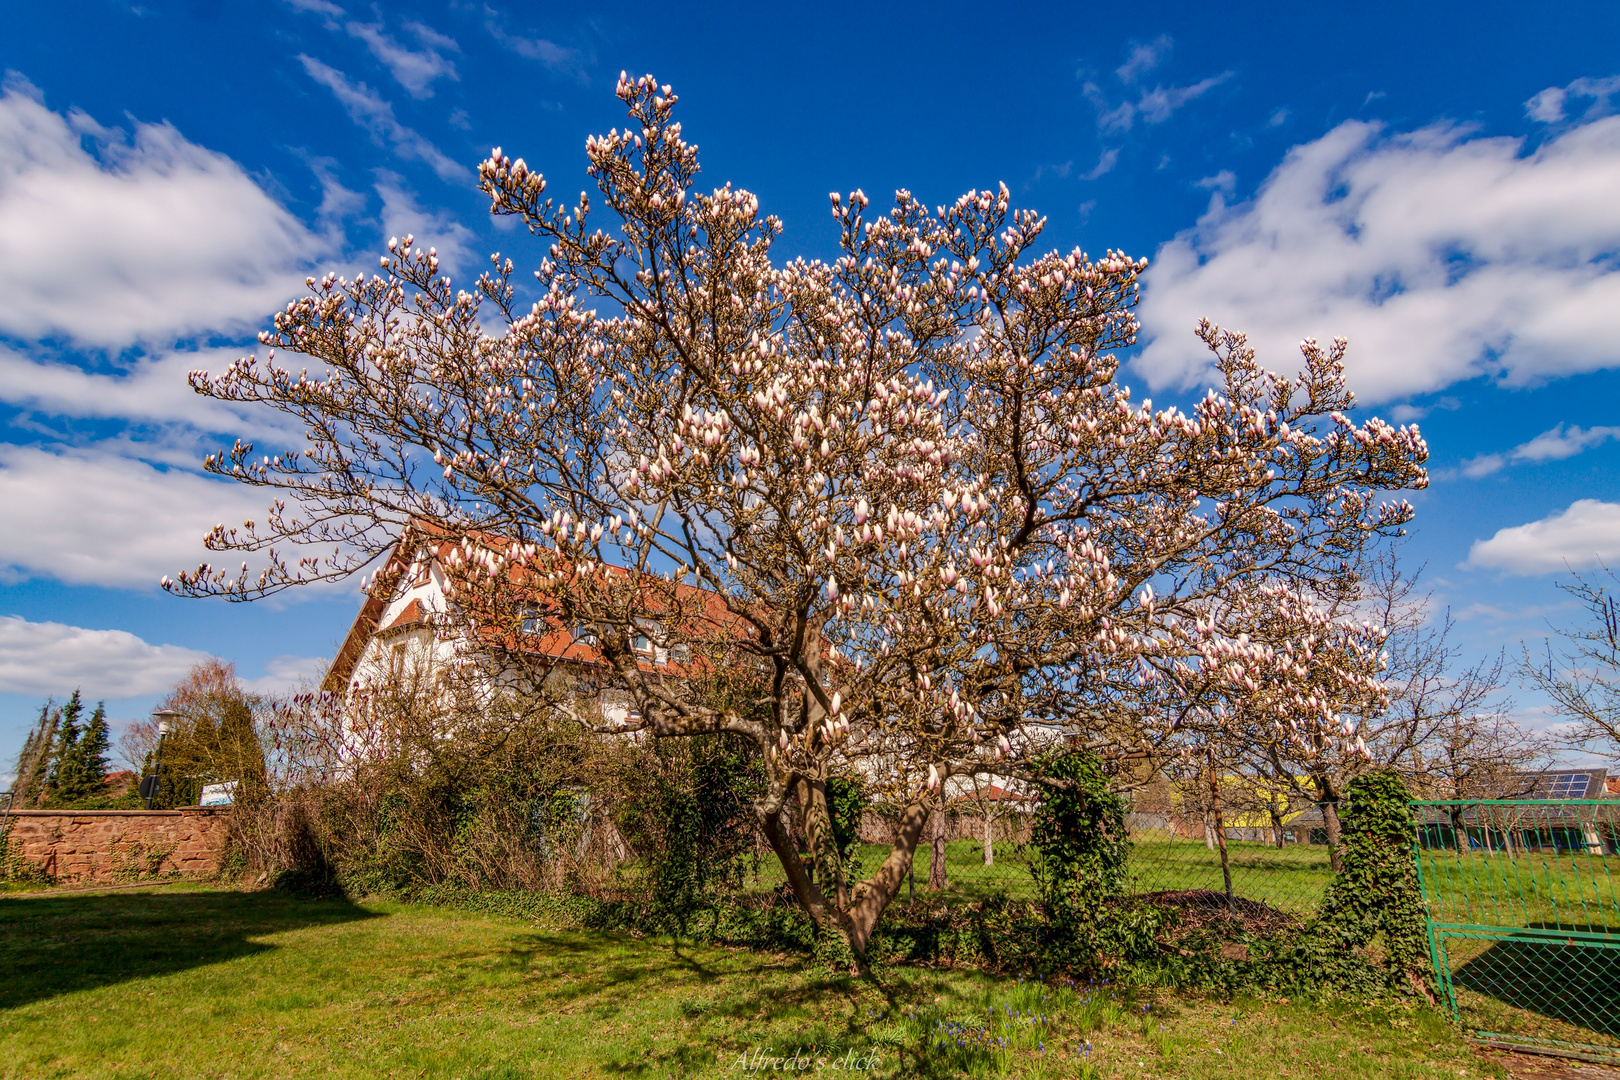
column 1524, row 919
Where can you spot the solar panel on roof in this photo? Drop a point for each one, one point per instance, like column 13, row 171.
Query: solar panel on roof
column 1566, row 786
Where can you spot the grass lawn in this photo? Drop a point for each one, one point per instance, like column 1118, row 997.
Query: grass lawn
column 193, row 982
column 1539, row 889
column 1292, row 878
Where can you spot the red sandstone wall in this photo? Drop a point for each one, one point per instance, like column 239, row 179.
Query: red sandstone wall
column 98, row 845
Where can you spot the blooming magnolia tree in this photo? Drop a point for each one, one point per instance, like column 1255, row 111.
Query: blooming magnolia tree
column 928, row 524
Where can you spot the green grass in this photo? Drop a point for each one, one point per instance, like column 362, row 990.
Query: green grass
column 1292, row 879
column 1573, row 891
column 1529, row 890
column 967, row 876
column 192, row 982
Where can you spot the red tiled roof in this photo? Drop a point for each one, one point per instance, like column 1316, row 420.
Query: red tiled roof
column 414, row 613
column 994, row 793
column 556, row 642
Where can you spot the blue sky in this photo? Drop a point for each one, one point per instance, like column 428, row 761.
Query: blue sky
column 1436, row 182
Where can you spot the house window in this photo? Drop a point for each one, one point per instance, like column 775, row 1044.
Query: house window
column 584, row 633
column 531, row 621
column 649, row 640
column 396, row 661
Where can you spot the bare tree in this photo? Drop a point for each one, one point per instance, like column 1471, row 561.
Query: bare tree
column 994, row 802
column 1441, row 725
column 1582, row 675
column 905, row 488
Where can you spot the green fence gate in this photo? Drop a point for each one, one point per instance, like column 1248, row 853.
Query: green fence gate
column 1524, row 920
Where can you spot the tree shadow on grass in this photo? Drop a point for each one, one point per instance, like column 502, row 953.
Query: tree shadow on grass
column 56, row 944
column 730, row 1007
column 1567, row 980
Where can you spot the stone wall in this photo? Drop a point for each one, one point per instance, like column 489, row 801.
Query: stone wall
column 101, row 845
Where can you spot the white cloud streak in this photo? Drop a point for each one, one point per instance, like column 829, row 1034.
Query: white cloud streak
column 559, row 58
column 1105, row 164
column 1551, row 105
column 371, row 111
column 401, row 214
column 95, row 517
column 1153, row 106
column 1580, row 537
column 44, row 658
column 1143, row 59
column 1440, row 255
column 1555, row 444
column 414, row 69
column 150, row 389
column 153, row 239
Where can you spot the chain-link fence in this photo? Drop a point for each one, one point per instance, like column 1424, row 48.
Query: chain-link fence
column 1525, row 919
column 1275, row 875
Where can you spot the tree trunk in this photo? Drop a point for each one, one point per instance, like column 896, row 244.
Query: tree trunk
column 1330, row 815
column 1329, row 800
column 936, row 859
column 866, row 900
column 989, row 840
column 1276, row 825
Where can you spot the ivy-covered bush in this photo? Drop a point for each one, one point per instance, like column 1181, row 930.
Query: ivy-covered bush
column 1079, row 833
column 1080, row 851
column 1375, row 900
column 846, row 805
column 692, row 825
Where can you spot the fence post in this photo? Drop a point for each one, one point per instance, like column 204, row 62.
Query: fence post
column 1220, row 828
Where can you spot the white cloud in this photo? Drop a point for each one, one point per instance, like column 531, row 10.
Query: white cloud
column 1558, row 444
column 560, row 59
column 1440, row 255
column 43, row 658
column 1143, row 59
column 149, row 389
column 402, row 215
column 284, row 674
column 317, row 7
column 1105, row 163
column 93, row 517
column 368, row 109
column 1549, row 105
column 1580, row 537
column 1156, row 105
column 1224, row 181
column 414, row 69
column 1552, row 445
column 1153, row 106
column 154, row 238
column 1483, row 465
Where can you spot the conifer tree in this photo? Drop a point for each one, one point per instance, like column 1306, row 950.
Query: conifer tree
column 34, row 763
column 65, row 753
column 92, row 755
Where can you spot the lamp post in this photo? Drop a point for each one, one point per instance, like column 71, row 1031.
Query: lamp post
column 149, row 786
